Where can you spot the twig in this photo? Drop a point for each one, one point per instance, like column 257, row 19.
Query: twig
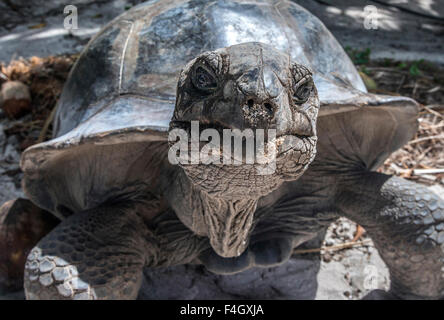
column 434, row 89
column 358, row 234
column 335, row 247
column 392, row 70
column 401, row 83
column 434, row 112
column 414, row 89
column 48, row 121
column 421, row 156
column 427, row 171
column 439, row 125
column 439, row 136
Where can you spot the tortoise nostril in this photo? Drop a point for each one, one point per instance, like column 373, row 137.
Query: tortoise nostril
column 268, row 107
column 265, row 106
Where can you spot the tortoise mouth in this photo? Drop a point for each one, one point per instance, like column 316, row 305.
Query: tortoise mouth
column 277, row 147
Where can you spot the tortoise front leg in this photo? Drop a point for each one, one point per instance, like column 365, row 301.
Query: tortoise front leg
column 96, row 254
column 406, row 223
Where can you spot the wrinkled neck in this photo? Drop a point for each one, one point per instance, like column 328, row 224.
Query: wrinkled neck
column 225, row 220
column 229, row 223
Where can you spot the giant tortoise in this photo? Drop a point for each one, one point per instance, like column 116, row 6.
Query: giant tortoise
column 234, row 65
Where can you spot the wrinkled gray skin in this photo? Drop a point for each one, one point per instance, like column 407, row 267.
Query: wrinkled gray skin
column 124, row 207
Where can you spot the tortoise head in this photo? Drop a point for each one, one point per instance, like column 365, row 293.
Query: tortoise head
column 256, row 96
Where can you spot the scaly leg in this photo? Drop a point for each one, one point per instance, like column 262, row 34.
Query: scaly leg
column 406, row 222
column 96, row 254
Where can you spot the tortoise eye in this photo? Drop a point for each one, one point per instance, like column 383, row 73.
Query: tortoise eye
column 302, row 90
column 204, row 80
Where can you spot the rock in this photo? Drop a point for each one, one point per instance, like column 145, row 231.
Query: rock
column 295, row 279
column 10, row 174
column 22, row 225
column 15, row 99
column 331, row 281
